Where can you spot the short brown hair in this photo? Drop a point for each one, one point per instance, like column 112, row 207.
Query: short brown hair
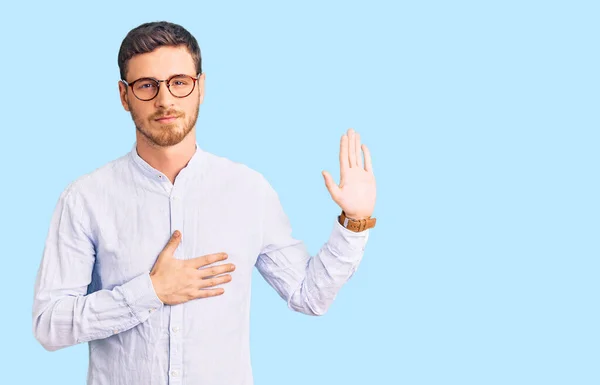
column 149, row 36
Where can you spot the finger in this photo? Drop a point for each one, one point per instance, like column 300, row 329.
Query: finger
column 204, row 293
column 171, row 246
column 359, row 158
column 351, row 148
column 344, row 164
column 368, row 164
column 208, row 272
column 210, row 282
column 332, row 187
column 204, row 260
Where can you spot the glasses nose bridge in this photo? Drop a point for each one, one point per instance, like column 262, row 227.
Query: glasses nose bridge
column 167, row 83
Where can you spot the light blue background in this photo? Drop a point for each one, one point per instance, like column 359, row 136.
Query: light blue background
column 482, row 118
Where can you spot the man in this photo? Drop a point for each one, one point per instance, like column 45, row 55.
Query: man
column 149, row 258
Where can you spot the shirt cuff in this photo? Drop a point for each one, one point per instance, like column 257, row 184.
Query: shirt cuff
column 141, row 297
column 347, row 241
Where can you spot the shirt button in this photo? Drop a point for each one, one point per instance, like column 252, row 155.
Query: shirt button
column 175, row 373
column 175, row 329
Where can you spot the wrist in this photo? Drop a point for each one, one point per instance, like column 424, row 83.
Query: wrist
column 156, row 285
column 355, row 216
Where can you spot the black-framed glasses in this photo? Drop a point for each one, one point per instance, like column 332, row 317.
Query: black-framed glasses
column 179, row 85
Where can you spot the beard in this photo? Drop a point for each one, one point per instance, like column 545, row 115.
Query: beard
column 165, row 135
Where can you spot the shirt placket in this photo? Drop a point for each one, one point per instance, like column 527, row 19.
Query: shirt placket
column 176, row 316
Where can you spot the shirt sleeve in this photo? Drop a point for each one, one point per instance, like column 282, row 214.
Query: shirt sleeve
column 63, row 315
column 308, row 283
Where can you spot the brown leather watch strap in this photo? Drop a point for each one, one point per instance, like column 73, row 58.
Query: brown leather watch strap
column 356, row 225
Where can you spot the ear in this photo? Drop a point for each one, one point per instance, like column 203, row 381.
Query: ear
column 201, row 87
column 123, row 95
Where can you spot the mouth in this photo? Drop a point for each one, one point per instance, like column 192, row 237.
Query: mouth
column 167, row 119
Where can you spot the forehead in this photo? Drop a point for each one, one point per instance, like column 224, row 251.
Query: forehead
column 161, row 63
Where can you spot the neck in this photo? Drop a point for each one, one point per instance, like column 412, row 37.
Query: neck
column 168, row 160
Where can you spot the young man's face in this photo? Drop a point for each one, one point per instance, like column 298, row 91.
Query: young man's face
column 161, row 64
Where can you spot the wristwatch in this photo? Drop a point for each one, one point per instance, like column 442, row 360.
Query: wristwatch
column 356, row 225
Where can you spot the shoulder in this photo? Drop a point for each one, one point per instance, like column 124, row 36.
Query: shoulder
column 233, row 173
column 98, row 180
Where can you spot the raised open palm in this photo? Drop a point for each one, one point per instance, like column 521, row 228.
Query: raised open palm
column 356, row 192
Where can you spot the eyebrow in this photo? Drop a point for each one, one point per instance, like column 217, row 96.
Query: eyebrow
column 170, row 76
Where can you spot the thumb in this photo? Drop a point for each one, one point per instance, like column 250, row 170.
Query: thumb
column 333, row 188
column 171, row 246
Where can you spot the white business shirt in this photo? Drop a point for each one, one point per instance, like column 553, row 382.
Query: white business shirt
column 109, row 226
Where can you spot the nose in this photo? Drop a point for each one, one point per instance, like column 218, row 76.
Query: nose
column 164, row 99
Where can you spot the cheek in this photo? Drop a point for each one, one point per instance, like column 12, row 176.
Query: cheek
column 191, row 105
column 140, row 112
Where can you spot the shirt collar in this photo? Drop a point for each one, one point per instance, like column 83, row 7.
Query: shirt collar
column 193, row 164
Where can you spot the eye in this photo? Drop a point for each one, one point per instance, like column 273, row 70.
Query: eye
column 145, row 85
column 180, row 81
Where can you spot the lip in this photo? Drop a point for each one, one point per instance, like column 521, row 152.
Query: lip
column 166, row 119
